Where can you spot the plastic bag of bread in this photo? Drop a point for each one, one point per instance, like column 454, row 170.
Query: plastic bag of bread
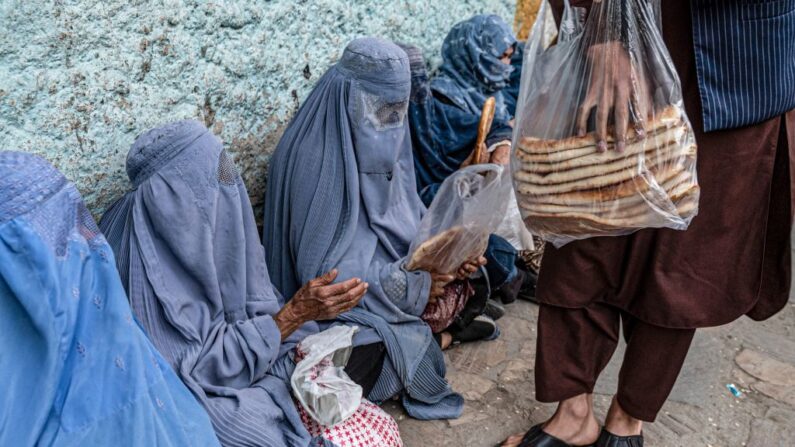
column 602, row 144
column 469, row 205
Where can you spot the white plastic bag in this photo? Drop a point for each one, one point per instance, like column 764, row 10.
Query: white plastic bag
column 577, row 171
column 319, row 381
column 513, row 229
column 467, row 208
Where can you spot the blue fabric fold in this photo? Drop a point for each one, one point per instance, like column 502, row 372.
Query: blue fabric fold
column 76, row 368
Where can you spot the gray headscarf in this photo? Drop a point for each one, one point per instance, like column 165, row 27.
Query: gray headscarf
column 189, row 256
column 342, row 194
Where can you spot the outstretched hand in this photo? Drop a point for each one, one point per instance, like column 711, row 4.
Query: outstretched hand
column 319, row 299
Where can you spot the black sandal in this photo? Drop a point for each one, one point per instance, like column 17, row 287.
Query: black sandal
column 481, row 328
column 607, row 439
column 537, row 437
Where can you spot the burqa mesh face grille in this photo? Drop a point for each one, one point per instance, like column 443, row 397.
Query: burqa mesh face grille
column 227, row 173
column 86, row 224
column 380, row 112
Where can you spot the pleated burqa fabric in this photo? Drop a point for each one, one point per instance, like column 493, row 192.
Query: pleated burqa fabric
column 342, row 194
column 75, row 367
column 195, row 272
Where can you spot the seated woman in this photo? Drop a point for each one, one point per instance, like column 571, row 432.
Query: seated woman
column 444, row 115
column 76, row 368
column 190, row 257
column 342, row 194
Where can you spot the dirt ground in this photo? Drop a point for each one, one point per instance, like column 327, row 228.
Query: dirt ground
column 496, row 378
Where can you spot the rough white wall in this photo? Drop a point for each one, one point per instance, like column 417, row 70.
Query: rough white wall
column 79, row 80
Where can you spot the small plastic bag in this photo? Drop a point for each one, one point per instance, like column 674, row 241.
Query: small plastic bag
column 469, row 205
column 319, row 381
column 606, row 72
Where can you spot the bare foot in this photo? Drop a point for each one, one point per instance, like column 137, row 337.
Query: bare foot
column 447, row 340
column 573, row 422
column 619, row 423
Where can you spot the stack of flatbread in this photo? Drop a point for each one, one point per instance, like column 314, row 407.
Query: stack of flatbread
column 566, row 187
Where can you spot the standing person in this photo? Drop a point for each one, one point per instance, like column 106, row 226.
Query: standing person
column 190, row 257
column 662, row 284
column 444, row 113
column 76, row 368
column 342, row 195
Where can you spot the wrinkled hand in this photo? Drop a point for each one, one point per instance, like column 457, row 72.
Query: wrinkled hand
column 614, row 85
column 501, row 155
column 319, row 299
column 438, row 283
column 484, row 157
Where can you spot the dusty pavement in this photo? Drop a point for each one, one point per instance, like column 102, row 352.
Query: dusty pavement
column 496, row 378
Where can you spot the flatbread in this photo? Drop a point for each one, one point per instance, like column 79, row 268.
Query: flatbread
column 618, row 209
column 673, row 189
column 668, row 117
column 575, row 224
column 610, row 164
column 526, row 183
column 668, row 175
column 439, row 250
column 662, row 140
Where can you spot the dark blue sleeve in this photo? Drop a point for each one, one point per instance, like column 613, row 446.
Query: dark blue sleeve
column 442, row 135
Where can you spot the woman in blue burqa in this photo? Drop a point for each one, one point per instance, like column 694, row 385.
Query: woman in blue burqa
column 444, row 115
column 189, row 255
column 75, row 367
column 342, row 194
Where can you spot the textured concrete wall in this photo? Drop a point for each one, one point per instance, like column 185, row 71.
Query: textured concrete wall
column 79, row 80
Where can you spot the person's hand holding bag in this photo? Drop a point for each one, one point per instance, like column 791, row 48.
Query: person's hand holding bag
column 615, row 87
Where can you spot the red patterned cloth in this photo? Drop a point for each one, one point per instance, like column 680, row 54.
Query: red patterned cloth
column 440, row 315
column 370, row 426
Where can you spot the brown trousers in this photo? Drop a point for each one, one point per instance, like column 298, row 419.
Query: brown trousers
column 574, row 346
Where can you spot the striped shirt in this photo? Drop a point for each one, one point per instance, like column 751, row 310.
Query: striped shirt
column 745, row 57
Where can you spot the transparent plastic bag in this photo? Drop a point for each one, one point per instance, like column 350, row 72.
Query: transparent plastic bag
column 607, row 72
column 467, row 208
column 319, row 381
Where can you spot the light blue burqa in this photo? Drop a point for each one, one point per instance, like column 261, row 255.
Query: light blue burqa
column 342, row 194
column 190, row 257
column 75, row 367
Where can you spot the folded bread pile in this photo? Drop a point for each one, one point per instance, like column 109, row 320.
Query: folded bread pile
column 566, row 187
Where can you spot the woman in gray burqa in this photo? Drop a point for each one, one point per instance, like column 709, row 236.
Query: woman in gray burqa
column 342, row 195
column 190, row 258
